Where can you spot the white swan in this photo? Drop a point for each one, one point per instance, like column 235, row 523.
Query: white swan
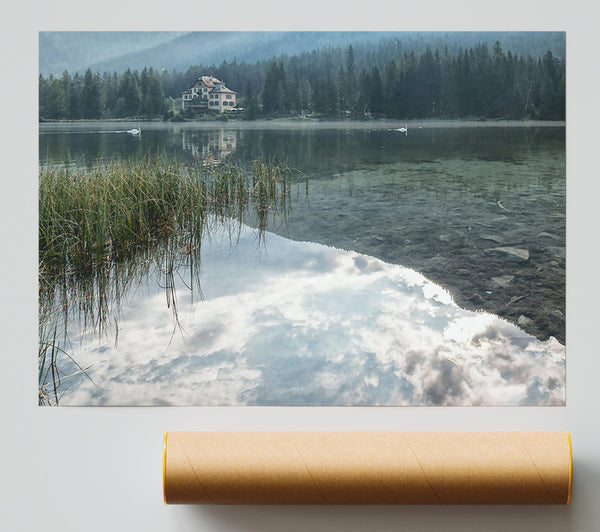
column 135, row 131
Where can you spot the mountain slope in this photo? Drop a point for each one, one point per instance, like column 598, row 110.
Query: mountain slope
column 117, row 51
column 78, row 50
column 208, row 48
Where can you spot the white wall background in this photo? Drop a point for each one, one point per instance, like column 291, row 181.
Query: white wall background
column 99, row 469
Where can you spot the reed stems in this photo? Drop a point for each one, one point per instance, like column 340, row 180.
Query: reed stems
column 92, row 217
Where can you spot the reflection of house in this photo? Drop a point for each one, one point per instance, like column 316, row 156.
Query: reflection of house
column 210, row 147
column 208, row 93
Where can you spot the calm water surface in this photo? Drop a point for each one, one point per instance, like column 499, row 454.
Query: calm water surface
column 341, row 306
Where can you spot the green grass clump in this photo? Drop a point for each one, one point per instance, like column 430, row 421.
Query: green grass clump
column 89, row 218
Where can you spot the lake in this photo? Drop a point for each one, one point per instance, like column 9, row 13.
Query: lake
column 419, row 268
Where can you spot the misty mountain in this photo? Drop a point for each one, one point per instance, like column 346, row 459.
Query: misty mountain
column 117, row 51
column 78, row 50
column 207, row 48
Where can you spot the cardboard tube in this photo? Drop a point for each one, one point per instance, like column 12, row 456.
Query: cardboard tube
column 367, row 468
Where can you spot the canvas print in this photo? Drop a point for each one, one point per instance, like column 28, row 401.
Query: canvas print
column 302, row 218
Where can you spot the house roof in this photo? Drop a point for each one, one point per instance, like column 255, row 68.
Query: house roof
column 224, row 89
column 215, row 85
column 209, row 81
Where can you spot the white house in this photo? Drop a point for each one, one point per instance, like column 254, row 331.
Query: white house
column 208, row 93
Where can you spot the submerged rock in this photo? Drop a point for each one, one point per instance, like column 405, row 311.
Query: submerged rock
column 476, row 299
column 557, row 251
column 493, row 238
column 544, row 234
column 503, row 280
column 518, row 254
column 524, row 321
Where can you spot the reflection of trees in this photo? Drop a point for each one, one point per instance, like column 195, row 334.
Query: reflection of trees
column 209, row 147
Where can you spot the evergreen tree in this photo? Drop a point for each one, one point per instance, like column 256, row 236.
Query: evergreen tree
column 341, row 93
column 168, row 82
column 350, row 82
column 43, row 90
column 111, row 92
column 67, row 84
column 131, row 94
column 293, row 87
column 364, row 82
column 427, row 88
column 269, row 92
column 75, row 97
column 463, row 85
column 376, row 93
column 391, row 87
column 282, row 96
column 551, row 103
column 92, row 100
column 410, row 99
column 445, row 100
column 145, row 105
column 370, row 97
column 325, row 96
column 251, row 108
column 156, row 96
column 56, row 104
column 305, row 96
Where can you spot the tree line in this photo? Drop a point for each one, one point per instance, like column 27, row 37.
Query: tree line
column 95, row 96
column 357, row 82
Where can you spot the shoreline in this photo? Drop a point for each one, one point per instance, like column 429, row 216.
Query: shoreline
column 308, row 123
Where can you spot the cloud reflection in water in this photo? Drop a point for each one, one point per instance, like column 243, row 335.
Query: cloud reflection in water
column 298, row 323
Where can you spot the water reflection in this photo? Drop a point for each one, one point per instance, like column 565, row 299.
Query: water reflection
column 296, row 323
column 320, row 151
column 209, row 147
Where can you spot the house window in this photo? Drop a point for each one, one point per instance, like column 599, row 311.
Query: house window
column 229, row 96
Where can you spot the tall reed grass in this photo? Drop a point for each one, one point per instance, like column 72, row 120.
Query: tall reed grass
column 88, row 218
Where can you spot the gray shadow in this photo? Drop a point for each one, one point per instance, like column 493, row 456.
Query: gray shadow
column 383, row 518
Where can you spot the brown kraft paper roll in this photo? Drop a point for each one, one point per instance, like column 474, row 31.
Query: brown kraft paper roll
column 367, row 468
